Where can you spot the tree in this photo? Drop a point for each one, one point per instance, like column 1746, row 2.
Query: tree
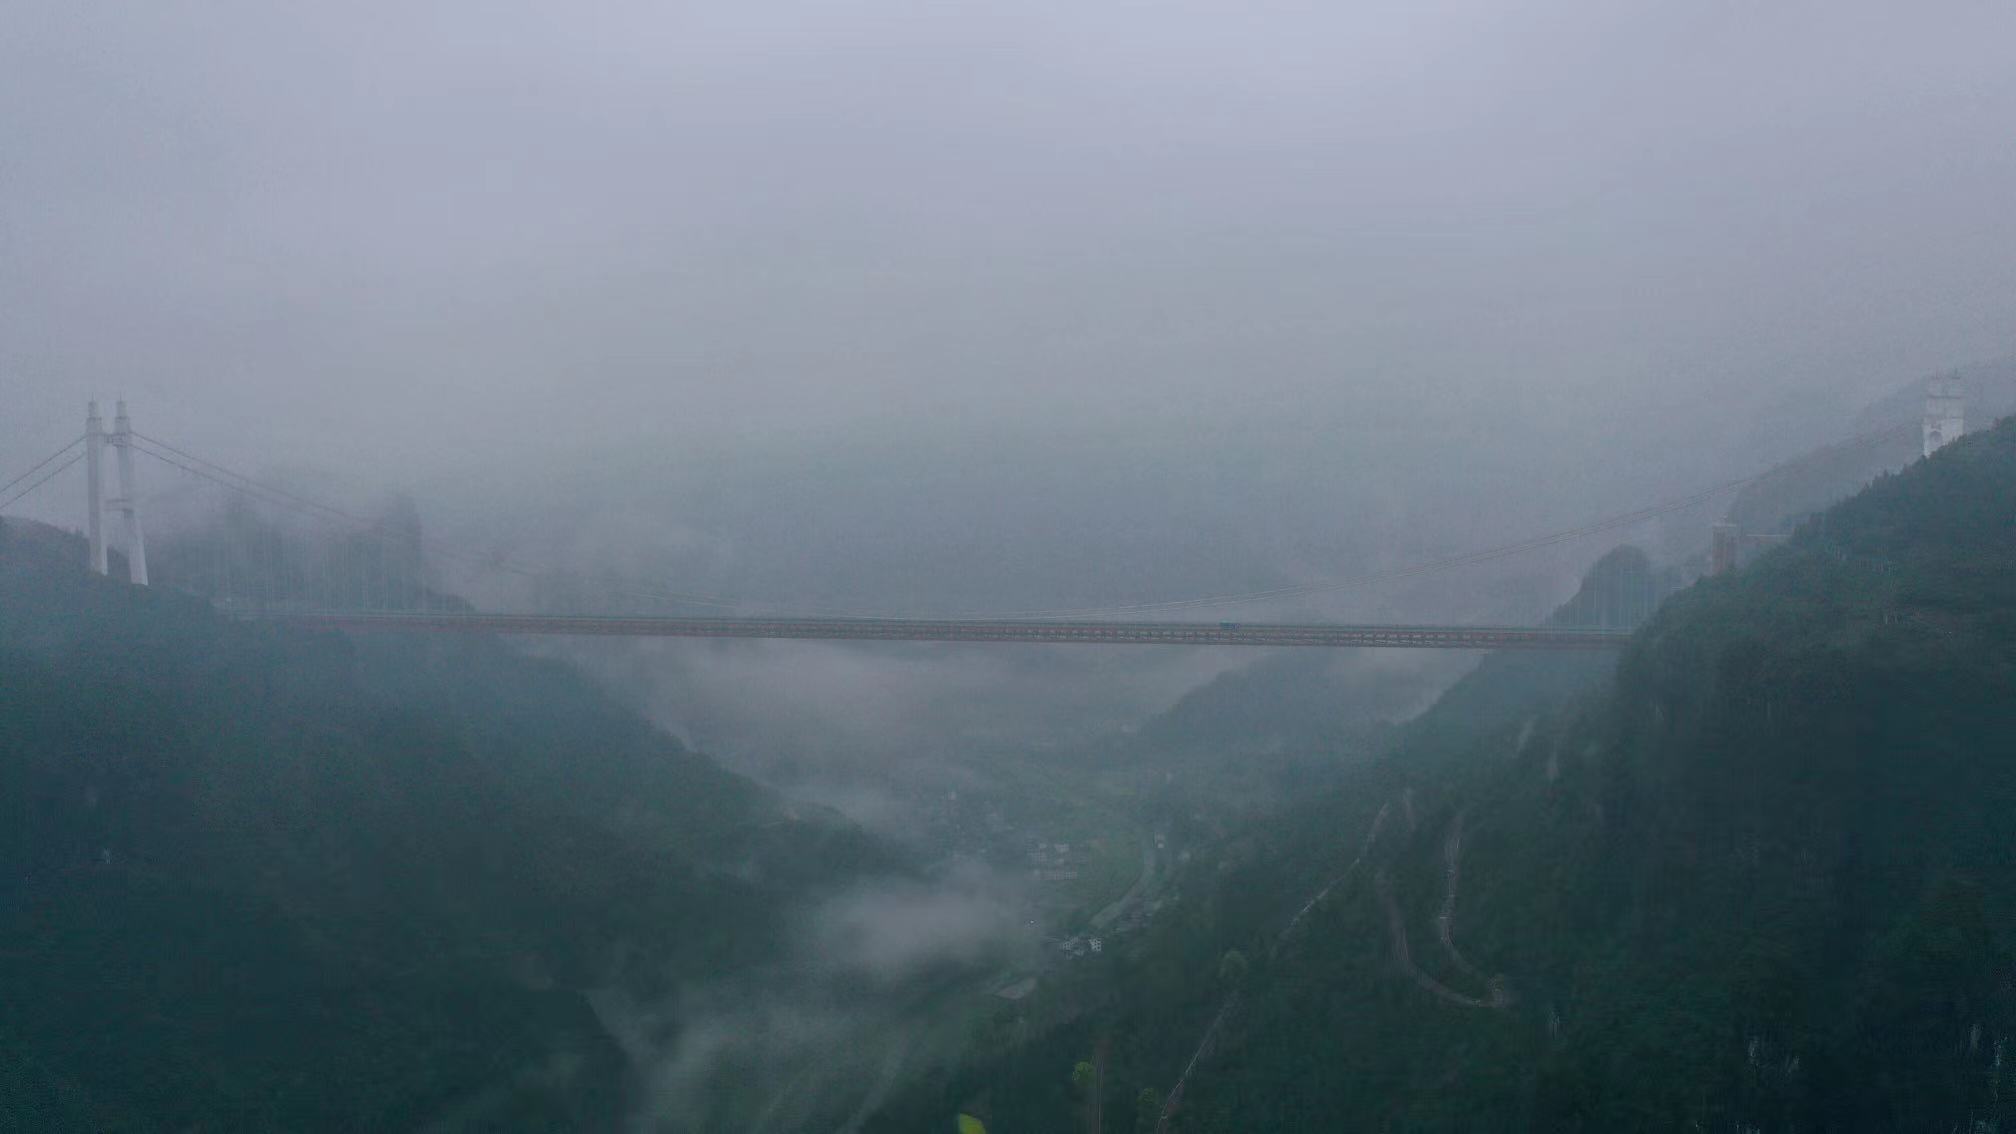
column 1147, row 1110
column 1232, row 968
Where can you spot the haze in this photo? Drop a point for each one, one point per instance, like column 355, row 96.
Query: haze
column 921, row 308
column 459, row 237
column 952, row 309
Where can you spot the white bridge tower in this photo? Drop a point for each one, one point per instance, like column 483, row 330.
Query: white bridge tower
column 1945, row 412
column 127, row 502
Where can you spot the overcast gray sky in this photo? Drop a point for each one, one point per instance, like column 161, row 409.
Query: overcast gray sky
column 404, row 239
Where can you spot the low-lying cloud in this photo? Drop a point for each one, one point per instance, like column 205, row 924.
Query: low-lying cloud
column 829, row 1032
column 894, row 931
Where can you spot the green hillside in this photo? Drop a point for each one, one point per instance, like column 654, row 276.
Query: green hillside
column 263, row 879
column 1760, row 877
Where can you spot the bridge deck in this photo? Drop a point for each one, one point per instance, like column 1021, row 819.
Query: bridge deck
column 978, row 630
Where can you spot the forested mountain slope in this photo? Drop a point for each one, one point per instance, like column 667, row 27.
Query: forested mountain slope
column 254, row 878
column 1765, row 882
column 1762, row 878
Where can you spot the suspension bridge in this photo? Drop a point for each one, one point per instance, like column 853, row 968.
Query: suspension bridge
column 1109, row 633
column 266, row 552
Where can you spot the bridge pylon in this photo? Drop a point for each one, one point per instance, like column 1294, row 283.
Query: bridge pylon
column 94, row 486
column 127, row 503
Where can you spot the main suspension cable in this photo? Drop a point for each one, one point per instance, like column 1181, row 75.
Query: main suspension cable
column 38, row 464
column 44, row 479
column 238, row 482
